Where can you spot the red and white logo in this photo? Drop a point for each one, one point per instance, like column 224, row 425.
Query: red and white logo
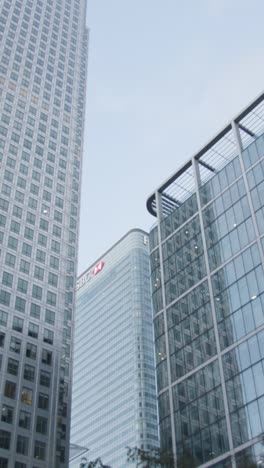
column 97, row 268
column 88, row 276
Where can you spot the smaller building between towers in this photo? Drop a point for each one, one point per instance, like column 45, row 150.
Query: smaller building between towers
column 114, row 390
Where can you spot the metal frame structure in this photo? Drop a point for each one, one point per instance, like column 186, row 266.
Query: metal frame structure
column 211, row 158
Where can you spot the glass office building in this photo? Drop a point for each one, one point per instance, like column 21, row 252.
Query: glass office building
column 43, row 49
column 114, row 393
column 207, row 253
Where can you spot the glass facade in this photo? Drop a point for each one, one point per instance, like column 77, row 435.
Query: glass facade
column 43, row 54
column 208, row 297
column 114, row 390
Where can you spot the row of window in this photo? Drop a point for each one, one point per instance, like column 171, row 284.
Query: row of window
column 31, row 349
column 22, row 445
column 24, row 419
column 33, row 331
column 26, row 396
column 5, row 298
column 35, row 311
column 22, row 285
column 29, row 372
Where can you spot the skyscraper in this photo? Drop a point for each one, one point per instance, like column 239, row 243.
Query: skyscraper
column 114, row 391
column 43, row 54
column 207, row 254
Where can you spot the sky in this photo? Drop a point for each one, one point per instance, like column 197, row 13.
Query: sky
column 164, row 76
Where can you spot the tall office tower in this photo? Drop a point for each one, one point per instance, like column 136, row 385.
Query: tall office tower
column 207, row 253
column 43, row 48
column 114, row 391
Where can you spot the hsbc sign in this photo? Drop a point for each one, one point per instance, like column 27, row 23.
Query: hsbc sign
column 88, row 276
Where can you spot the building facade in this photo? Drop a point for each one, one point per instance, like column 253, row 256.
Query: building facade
column 207, row 254
column 43, row 50
column 114, row 391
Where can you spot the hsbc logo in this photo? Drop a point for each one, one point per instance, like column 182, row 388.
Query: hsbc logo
column 97, row 268
column 88, row 276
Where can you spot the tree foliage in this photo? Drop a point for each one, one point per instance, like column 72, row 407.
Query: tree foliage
column 150, row 458
column 93, row 464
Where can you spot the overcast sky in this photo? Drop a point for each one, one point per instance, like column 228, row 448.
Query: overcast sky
column 163, row 77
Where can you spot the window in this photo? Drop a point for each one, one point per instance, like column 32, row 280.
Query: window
column 10, row 389
column 43, row 224
column 15, row 344
column 31, row 351
column 54, row 262
column 5, row 438
column 2, row 220
column 6, row 190
column 35, row 310
column 59, row 202
column 7, row 415
column 42, row 425
column 48, row 336
column 34, row 189
column 29, row 373
column 26, row 396
column 17, row 324
column 10, row 162
column 40, row 450
column 22, row 285
column 26, row 249
column 7, row 279
column 3, row 318
column 56, row 231
column 4, row 204
column 44, row 378
column 48, row 182
column 46, row 196
column 50, row 316
column 31, row 218
column 23, row 169
column 22, row 444
column 20, row 304
column 24, row 420
column 49, row 169
column 2, row 339
column 42, row 240
column 24, row 266
column 17, row 211
column 43, row 401
column 25, row 156
column 12, row 366
column 39, row 273
column 15, row 227
column 46, row 357
column 36, row 292
column 20, row 465
column 53, row 279
column 36, row 175
column 8, row 176
column 32, row 203
column 51, row 157
column 38, row 163
column 19, row 196
column 28, row 233
column 4, row 297
column 40, row 256
column 27, row 144
column 51, row 298
column 21, row 182
column 33, row 330
column 12, row 242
